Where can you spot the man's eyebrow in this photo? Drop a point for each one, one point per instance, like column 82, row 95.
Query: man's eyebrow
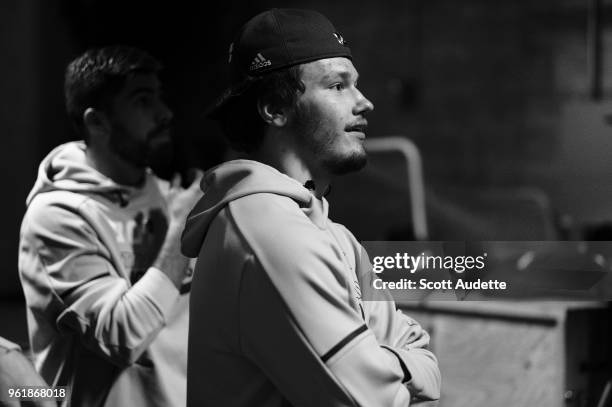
column 345, row 75
column 140, row 90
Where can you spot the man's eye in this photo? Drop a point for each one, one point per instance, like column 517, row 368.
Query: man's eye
column 143, row 101
column 337, row 86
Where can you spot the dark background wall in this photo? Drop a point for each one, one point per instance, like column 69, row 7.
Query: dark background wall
column 495, row 94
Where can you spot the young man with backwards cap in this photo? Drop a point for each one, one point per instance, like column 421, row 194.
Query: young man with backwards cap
column 277, row 316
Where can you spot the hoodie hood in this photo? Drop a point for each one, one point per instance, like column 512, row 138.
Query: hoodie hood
column 66, row 169
column 235, row 179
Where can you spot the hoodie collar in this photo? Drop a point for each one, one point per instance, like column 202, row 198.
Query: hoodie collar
column 238, row 178
column 66, row 169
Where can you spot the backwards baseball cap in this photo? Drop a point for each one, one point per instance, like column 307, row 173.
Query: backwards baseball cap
column 277, row 39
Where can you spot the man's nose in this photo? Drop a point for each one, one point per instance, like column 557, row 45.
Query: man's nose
column 363, row 104
column 165, row 114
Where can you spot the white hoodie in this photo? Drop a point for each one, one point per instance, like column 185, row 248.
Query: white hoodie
column 277, row 317
column 100, row 320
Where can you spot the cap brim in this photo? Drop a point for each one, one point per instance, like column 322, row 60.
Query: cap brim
column 215, row 110
column 230, row 95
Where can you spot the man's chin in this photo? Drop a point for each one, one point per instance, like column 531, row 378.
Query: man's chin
column 160, row 154
column 159, row 142
column 346, row 165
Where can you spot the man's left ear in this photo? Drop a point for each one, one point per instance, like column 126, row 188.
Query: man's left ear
column 272, row 115
column 95, row 122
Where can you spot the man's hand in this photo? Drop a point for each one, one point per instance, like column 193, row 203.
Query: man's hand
column 180, row 202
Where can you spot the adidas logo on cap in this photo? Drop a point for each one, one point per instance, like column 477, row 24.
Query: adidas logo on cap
column 259, row 62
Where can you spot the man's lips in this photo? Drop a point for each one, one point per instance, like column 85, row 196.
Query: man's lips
column 357, row 128
column 163, row 132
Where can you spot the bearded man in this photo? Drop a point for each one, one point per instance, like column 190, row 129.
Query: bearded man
column 105, row 284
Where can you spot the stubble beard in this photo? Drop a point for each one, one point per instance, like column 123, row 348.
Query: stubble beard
column 319, row 138
column 140, row 153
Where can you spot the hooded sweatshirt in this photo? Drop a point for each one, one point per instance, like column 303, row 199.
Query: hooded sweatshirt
column 100, row 319
column 277, row 316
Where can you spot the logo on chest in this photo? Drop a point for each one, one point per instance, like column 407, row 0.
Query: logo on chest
column 140, row 239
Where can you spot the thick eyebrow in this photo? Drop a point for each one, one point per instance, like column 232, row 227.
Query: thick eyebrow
column 345, row 75
column 140, row 90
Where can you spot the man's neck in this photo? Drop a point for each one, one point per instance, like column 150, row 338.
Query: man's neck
column 114, row 167
column 288, row 161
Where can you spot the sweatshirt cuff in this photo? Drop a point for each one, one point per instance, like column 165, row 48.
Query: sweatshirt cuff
column 407, row 375
column 158, row 288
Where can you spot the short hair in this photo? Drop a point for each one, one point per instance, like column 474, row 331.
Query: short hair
column 96, row 77
column 239, row 117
